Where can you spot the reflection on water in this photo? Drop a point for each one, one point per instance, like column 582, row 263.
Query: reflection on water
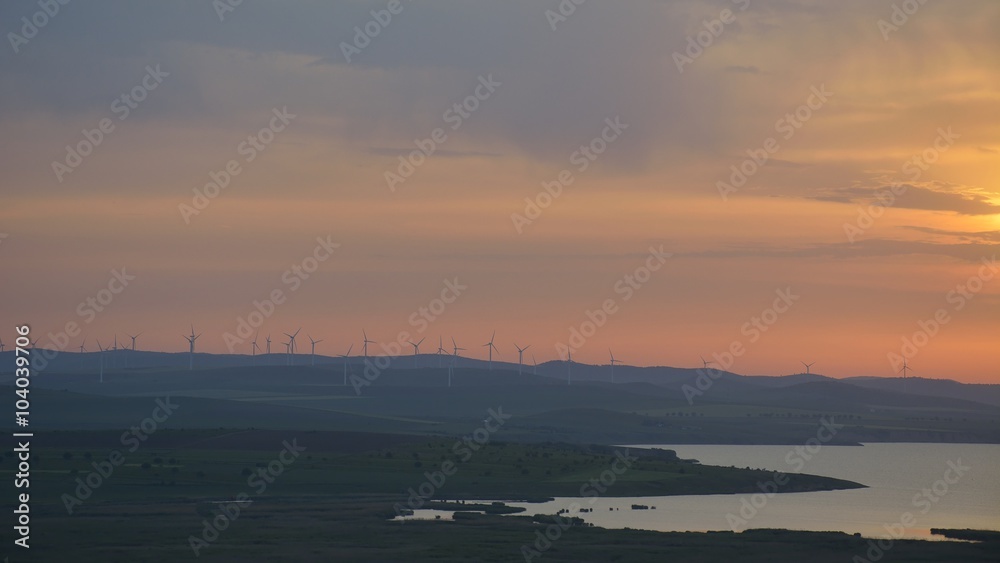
column 911, row 489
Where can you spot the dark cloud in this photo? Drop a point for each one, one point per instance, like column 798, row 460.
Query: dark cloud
column 914, row 197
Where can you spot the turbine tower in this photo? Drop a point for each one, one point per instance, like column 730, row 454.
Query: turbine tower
column 291, row 346
column 101, row 360
column 416, row 349
column 454, row 359
column 346, row 356
column 569, row 367
column 191, row 340
column 268, row 344
column 82, row 349
column 520, row 356
column 491, row 347
column 1, row 345
column 613, row 362
column 254, row 347
column 314, row 343
column 365, row 343
column 808, row 367
column 534, row 364
column 440, row 350
column 904, row 371
column 133, row 340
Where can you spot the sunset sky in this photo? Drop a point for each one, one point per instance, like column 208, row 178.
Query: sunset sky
column 927, row 88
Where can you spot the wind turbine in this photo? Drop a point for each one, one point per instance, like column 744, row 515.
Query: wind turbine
column 191, row 340
column 288, row 352
column 808, row 367
column 1, row 345
column 268, row 344
column 254, row 347
column 491, row 347
column 365, row 342
column 101, row 359
column 613, row 362
column 82, row 349
column 904, row 371
column 133, row 345
column 346, row 356
column 440, row 350
column 314, row 343
column 454, row 360
column 534, row 364
column 705, row 363
column 291, row 346
column 520, row 356
column 416, row 349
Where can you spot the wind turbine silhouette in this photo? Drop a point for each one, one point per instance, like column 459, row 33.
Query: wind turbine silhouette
column 313, row 352
column 808, row 367
column 133, row 340
column 613, row 362
column 1, row 345
column 416, row 349
column 904, row 371
column 82, row 349
column 520, row 356
column 454, row 360
column 291, row 346
column 440, row 350
column 254, row 347
column 190, row 340
column 491, row 347
column 268, row 344
column 101, row 359
column 534, row 364
column 569, row 367
column 705, row 363
column 365, row 342
column 346, row 356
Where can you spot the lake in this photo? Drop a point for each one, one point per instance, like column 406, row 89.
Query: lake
column 911, row 489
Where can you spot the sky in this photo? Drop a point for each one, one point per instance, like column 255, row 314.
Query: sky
column 755, row 182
